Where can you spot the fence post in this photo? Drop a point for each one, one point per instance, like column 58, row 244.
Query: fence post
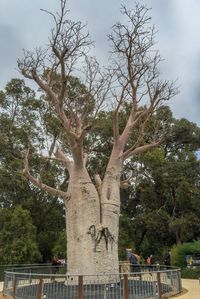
column 14, row 286
column 159, row 286
column 39, row 289
column 80, row 287
column 125, row 286
column 179, row 281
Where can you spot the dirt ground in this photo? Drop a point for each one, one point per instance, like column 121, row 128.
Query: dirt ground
column 4, row 297
column 182, row 293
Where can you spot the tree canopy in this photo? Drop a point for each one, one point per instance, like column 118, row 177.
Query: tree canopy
column 164, row 189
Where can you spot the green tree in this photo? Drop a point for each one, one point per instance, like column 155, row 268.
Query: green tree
column 162, row 201
column 20, row 123
column 180, row 251
column 18, row 117
column 59, row 248
column 16, row 226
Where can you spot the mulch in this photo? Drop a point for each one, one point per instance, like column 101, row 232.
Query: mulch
column 184, row 291
column 5, row 297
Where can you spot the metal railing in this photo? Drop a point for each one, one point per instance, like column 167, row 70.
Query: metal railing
column 49, row 282
column 11, row 267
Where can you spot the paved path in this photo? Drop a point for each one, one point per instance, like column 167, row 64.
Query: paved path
column 193, row 287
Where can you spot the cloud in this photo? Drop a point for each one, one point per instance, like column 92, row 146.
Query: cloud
column 10, row 47
column 23, row 25
column 179, row 43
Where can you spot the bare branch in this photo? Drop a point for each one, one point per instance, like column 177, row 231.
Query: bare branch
column 59, row 154
column 85, row 159
column 37, row 182
column 116, row 114
column 98, row 84
column 124, row 184
column 98, row 182
column 141, row 149
column 135, row 64
column 131, row 82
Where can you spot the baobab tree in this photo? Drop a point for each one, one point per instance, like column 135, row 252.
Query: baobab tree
column 131, row 80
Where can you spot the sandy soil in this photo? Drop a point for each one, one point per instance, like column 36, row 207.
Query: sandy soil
column 4, row 297
column 182, row 293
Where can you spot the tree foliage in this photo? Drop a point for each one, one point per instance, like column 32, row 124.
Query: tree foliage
column 180, row 251
column 18, row 242
column 160, row 206
column 19, row 124
column 163, row 200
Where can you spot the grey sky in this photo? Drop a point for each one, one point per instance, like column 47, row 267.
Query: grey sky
column 23, row 25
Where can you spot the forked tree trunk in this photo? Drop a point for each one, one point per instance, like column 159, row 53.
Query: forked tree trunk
column 93, row 223
column 92, row 212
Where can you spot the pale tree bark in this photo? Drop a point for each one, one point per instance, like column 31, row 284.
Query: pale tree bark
column 93, row 204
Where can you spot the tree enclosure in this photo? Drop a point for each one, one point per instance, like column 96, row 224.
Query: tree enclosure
column 130, row 90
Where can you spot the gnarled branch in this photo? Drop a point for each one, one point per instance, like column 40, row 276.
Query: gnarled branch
column 59, row 154
column 38, row 183
column 141, row 149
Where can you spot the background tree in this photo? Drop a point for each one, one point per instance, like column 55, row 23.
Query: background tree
column 16, row 226
column 146, row 203
column 162, row 202
column 20, row 123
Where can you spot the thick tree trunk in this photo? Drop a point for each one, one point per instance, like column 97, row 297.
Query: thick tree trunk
column 92, row 220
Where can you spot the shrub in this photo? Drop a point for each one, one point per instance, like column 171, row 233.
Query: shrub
column 181, row 250
column 190, row 273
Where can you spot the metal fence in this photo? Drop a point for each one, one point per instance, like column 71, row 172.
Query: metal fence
column 12, row 267
column 49, row 283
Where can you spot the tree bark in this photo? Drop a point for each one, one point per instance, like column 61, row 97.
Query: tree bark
column 92, row 220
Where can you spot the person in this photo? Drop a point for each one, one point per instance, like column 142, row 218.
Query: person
column 133, row 262
column 128, row 253
column 167, row 258
column 167, row 262
column 138, row 257
column 152, row 259
column 55, row 264
column 148, row 262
